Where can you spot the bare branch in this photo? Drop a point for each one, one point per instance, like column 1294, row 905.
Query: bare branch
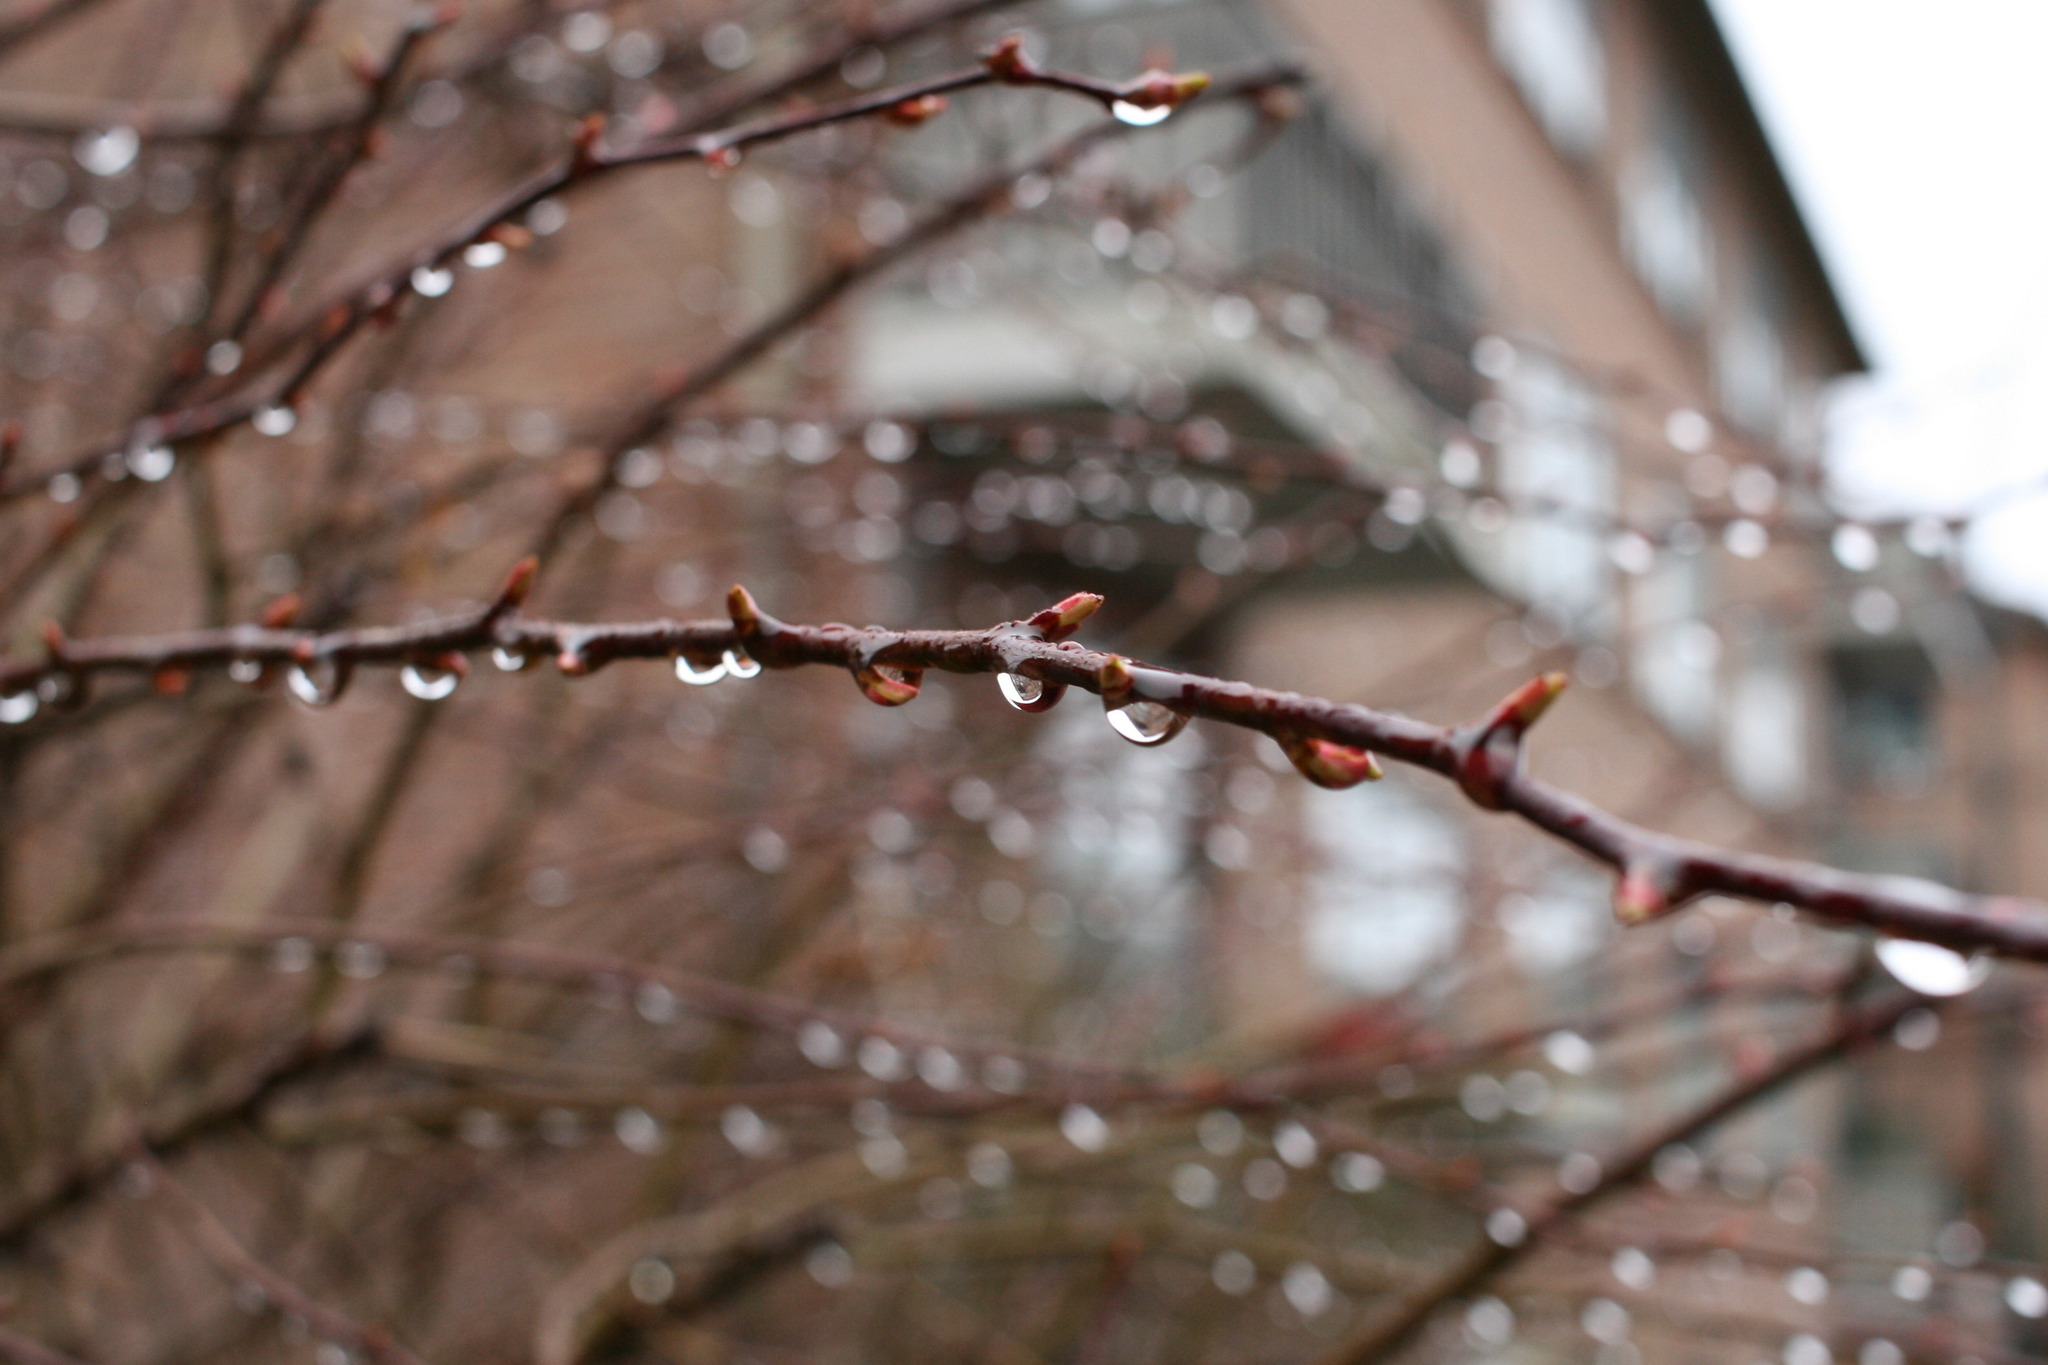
column 1659, row 872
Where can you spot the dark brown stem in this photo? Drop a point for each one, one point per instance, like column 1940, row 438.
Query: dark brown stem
column 1659, row 872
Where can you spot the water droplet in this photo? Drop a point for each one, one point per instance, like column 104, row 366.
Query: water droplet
column 319, row 682
column 739, row 665
column 1295, row 1145
column 1569, row 1052
column 1195, row 1185
column 1140, row 116
column 1912, row 1283
column 1633, row 1267
column 247, row 671
column 821, row 1044
column 1931, row 969
column 989, row 1166
column 699, row 677
column 1234, row 1273
column 1358, row 1173
column 651, row 1281
column 292, row 955
column 510, row 660
column 1490, row 1322
column 1506, row 1227
column 1029, row 694
column 638, row 1131
column 881, row 1059
column 19, row 708
column 2027, row 1297
column 1808, row 1286
column 1004, row 1075
column 1220, row 1132
column 831, row 1265
column 1307, row 1288
column 1147, row 722
column 1084, row 1128
column 152, row 464
column 940, row 1069
column 430, row 283
column 274, row 421
column 360, row 961
column 109, row 153
column 429, row 684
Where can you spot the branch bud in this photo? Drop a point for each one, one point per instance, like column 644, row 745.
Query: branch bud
column 1063, row 618
column 171, row 680
column 1327, row 763
column 888, row 686
column 1489, row 753
column 54, row 641
column 589, row 133
column 518, row 586
column 915, row 110
column 1115, row 680
column 1008, row 64
column 1649, row 888
column 281, row 612
column 744, row 611
column 1165, row 89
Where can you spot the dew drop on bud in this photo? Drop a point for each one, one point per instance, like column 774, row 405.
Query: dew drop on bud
column 510, row 660
column 1140, row 116
column 738, row 665
column 1931, row 969
column 19, row 709
column 319, row 683
column 699, row 677
column 1147, row 722
column 428, row 684
column 1029, row 694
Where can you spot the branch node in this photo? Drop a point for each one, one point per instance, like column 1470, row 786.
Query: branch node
column 1490, row 752
column 1008, row 64
column 1649, row 888
column 1115, row 680
column 518, row 586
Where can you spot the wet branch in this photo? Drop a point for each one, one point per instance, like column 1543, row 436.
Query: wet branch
column 1333, row 744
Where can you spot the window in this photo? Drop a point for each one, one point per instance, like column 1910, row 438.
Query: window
column 1677, row 654
column 1884, row 718
column 1387, row 897
column 1552, row 50
column 1557, row 471
column 1763, row 740
column 1663, row 225
column 1749, row 358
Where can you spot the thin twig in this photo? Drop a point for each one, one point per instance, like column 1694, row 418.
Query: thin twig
column 1333, row 743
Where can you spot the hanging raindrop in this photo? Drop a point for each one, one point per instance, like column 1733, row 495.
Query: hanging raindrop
column 246, row 671
column 427, row 683
column 739, row 665
column 1930, row 968
column 318, row 682
column 700, row 677
column 510, row 660
column 1029, row 694
column 1147, row 722
column 1139, row 115
column 19, row 708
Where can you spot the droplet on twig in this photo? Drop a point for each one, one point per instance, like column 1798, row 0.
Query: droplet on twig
column 319, row 682
column 1028, row 693
column 1147, row 722
column 738, row 664
column 1931, row 969
column 428, row 682
column 688, row 672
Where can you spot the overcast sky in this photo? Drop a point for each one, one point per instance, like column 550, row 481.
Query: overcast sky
column 1916, row 135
